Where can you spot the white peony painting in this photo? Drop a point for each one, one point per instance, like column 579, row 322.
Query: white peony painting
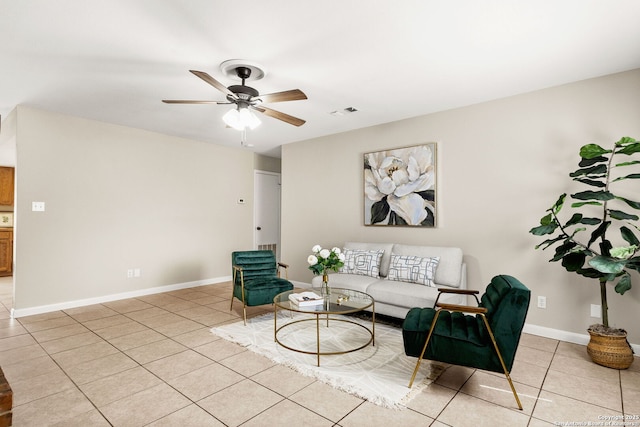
column 400, row 186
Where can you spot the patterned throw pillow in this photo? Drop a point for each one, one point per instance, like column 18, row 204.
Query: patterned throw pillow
column 362, row 262
column 413, row 269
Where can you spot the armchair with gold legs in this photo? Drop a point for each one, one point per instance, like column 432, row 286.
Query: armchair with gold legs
column 256, row 278
column 487, row 338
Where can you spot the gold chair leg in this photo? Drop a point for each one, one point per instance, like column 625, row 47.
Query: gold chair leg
column 504, row 367
column 233, row 288
column 424, row 348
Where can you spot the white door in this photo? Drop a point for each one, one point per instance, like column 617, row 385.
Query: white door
column 267, row 211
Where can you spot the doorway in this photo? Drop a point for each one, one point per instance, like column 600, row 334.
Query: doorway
column 266, row 218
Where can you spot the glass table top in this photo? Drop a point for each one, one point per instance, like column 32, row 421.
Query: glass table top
column 341, row 301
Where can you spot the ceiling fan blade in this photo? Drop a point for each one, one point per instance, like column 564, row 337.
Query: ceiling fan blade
column 287, row 95
column 213, row 82
column 186, row 101
column 279, row 115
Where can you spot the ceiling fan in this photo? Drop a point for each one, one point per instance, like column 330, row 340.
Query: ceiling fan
column 246, row 98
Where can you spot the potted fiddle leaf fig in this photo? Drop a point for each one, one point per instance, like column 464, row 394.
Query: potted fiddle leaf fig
column 599, row 241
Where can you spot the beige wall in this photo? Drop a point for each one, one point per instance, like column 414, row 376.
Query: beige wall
column 501, row 164
column 119, row 198
column 266, row 163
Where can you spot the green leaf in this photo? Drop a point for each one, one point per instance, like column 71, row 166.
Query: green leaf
column 575, row 219
column 541, row 230
column 573, row 261
column 599, row 232
column 630, row 176
column 590, row 151
column 623, row 252
column 590, row 221
column 557, row 206
column 591, row 273
column 605, row 247
column 634, row 263
column 607, row 264
column 631, row 203
column 546, row 220
column 563, row 250
column 633, row 162
column 379, row 211
column 615, row 214
column 625, row 140
column 624, row 284
column 593, row 195
column 577, row 230
column 630, row 149
column 549, row 242
column 629, row 236
column 588, row 162
column 594, row 170
column 591, row 182
column 578, row 204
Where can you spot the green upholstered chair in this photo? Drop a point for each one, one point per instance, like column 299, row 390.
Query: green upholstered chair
column 485, row 338
column 256, row 278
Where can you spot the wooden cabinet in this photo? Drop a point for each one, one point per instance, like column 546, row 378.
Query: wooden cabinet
column 6, row 251
column 6, row 185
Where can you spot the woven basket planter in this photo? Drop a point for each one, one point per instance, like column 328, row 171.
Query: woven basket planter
column 612, row 351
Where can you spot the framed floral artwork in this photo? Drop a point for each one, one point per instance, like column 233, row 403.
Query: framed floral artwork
column 400, row 186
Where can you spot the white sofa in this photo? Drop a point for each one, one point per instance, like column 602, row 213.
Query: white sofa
column 395, row 298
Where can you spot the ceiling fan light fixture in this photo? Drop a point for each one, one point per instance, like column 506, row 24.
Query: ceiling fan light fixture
column 241, row 119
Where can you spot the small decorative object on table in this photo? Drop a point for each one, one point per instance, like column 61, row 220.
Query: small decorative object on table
column 324, row 260
column 306, row 299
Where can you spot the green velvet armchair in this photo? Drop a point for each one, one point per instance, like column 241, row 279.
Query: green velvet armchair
column 486, row 338
column 256, row 278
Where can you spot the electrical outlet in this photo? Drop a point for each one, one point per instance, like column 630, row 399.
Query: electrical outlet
column 596, row 310
column 137, row 272
column 130, row 273
column 542, row 302
column 37, row 206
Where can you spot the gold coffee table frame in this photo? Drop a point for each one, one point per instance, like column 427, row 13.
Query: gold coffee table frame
column 356, row 301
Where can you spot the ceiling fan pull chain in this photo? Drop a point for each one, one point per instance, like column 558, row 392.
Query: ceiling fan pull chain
column 243, row 137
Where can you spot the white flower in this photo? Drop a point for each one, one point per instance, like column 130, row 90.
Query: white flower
column 400, row 174
column 312, row 259
column 342, row 257
column 336, row 251
column 324, row 253
column 316, row 249
column 410, row 208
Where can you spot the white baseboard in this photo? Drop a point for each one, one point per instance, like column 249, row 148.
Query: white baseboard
column 114, row 297
column 572, row 337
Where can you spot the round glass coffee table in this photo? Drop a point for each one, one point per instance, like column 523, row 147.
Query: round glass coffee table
column 340, row 302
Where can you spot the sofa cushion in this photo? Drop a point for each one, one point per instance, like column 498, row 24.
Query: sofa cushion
column 402, row 294
column 386, row 256
column 362, row 262
column 409, row 268
column 449, row 269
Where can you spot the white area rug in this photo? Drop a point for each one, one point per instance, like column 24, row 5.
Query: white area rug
column 379, row 374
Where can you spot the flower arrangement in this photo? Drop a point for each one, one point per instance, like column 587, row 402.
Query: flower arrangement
column 324, row 260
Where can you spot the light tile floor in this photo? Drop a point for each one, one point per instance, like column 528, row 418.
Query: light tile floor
column 151, row 361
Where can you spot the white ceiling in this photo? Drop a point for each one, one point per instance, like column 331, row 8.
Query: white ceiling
column 114, row 60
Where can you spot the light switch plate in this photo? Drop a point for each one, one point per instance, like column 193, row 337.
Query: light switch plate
column 37, row 206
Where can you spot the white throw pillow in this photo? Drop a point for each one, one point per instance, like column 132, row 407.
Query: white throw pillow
column 361, row 262
column 408, row 268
